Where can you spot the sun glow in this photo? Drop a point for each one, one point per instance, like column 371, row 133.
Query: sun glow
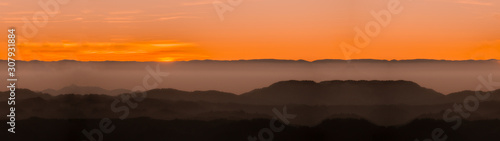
column 167, row 59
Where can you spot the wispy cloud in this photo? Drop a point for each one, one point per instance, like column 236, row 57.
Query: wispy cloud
column 119, row 18
column 163, row 50
column 125, row 12
column 475, row 2
column 175, row 17
column 197, row 3
column 20, row 13
column 132, row 20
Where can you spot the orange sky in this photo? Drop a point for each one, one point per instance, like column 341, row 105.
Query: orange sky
column 158, row 30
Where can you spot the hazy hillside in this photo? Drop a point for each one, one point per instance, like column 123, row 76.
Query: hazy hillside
column 304, row 92
column 241, row 76
column 74, row 89
column 345, row 93
column 381, row 102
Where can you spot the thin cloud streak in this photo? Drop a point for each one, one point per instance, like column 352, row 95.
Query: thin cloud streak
column 102, row 51
column 125, row 12
column 474, row 2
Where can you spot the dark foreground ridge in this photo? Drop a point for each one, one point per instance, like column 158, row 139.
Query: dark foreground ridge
column 228, row 130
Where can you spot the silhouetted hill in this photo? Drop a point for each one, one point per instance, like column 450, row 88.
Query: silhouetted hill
column 236, row 130
column 99, row 106
column 381, row 102
column 460, row 96
column 23, row 94
column 323, row 93
column 345, row 93
column 312, row 93
column 296, row 92
column 177, row 95
column 74, row 89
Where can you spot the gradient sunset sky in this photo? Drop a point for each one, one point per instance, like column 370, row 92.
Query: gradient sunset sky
column 174, row 30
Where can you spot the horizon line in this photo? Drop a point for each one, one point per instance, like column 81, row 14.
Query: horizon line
column 296, row 60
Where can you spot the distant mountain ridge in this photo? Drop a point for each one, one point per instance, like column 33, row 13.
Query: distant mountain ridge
column 74, row 89
column 240, row 76
column 326, row 93
column 302, row 92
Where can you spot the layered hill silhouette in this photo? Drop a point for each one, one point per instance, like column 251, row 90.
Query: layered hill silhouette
column 326, row 93
column 300, row 92
column 74, row 89
column 345, row 93
column 381, row 102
